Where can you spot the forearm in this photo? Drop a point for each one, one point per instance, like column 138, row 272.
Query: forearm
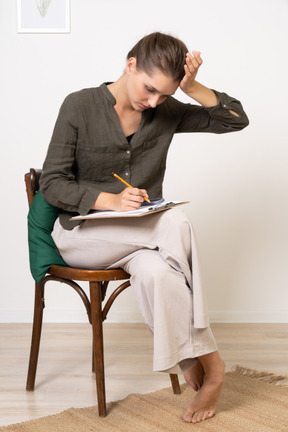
column 203, row 95
column 104, row 201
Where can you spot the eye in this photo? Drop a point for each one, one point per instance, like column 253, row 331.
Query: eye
column 149, row 89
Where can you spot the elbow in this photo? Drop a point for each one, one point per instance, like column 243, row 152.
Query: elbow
column 244, row 121
column 241, row 122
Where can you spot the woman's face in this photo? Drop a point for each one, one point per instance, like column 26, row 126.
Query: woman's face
column 147, row 91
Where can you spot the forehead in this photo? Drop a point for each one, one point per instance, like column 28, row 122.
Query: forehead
column 164, row 84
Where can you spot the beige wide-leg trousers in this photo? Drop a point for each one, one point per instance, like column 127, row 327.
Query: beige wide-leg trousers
column 159, row 252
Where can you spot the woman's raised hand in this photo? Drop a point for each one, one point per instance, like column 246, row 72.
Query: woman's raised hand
column 200, row 93
column 193, row 62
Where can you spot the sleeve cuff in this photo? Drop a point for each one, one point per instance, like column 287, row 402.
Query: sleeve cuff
column 222, row 111
column 88, row 200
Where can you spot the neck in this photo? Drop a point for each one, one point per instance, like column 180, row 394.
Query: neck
column 118, row 90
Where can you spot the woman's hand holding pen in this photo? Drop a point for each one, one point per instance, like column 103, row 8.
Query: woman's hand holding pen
column 127, row 200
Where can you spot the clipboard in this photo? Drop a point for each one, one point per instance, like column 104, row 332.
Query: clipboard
column 140, row 212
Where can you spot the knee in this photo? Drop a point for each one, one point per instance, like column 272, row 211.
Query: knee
column 151, row 274
column 176, row 222
column 147, row 268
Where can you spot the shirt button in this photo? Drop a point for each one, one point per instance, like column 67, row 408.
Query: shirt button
column 128, row 152
column 126, row 174
column 225, row 106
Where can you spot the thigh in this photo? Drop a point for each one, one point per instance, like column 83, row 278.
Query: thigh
column 148, row 266
column 90, row 246
column 105, row 242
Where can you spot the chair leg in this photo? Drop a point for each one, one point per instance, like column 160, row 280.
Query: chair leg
column 93, row 361
column 97, row 327
column 36, row 335
column 175, row 383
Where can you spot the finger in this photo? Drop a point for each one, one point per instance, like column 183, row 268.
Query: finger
column 191, row 67
column 193, row 61
column 144, row 193
column 130, row 202
column 187, row 71
column 197, row 56
column 139, row 192
column 136, row 194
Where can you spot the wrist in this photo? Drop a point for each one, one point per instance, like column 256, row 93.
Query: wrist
column 192, row 90
column 203, row 95
column 104, row 201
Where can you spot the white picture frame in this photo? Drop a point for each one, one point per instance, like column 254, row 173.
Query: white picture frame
column 43, row 16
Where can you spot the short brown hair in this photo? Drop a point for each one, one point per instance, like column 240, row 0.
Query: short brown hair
column 160, row 51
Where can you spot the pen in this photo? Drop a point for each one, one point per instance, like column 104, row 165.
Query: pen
column 127, row 184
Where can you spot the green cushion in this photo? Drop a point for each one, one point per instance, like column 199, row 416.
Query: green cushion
column 42, row 250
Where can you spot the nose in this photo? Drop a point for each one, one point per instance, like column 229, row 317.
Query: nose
column 153, row 101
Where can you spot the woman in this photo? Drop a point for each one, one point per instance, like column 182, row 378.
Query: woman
column 126, row 126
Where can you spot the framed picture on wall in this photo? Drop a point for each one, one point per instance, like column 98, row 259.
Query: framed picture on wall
column 43, row 16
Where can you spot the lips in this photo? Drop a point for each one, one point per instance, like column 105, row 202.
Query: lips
column 143, row 106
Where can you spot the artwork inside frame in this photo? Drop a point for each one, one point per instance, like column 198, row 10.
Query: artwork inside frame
column 43, row 16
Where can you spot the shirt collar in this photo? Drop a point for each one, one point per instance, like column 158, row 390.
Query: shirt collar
column 107, row 92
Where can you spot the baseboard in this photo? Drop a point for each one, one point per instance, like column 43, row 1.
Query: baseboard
column 279, row 317
column 76, row 316
column 73, row 316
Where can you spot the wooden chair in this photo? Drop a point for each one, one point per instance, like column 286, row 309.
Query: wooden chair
column 98, row 283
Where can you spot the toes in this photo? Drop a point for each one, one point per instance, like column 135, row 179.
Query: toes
column 207, row 414
column 187, row 417
column 196, row 417
column 199, row 416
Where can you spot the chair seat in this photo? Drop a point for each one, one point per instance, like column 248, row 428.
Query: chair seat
column 87, row 275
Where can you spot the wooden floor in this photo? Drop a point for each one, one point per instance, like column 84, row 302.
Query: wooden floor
column 64, row 377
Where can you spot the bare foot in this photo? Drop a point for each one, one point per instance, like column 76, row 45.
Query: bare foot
column 194, row 376
column 204, row 404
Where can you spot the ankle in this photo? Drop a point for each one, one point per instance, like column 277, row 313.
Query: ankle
column 213, row 364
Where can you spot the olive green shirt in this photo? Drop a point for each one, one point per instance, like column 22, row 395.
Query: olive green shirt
column 88, row 144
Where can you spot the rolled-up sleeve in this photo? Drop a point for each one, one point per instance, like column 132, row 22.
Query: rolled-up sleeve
column 227, row 116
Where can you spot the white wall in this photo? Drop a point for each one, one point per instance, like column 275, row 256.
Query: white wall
column 236, row 183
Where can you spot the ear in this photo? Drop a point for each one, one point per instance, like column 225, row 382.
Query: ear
column 131, row 65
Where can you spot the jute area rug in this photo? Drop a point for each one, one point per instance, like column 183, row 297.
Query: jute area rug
column 251, row 401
